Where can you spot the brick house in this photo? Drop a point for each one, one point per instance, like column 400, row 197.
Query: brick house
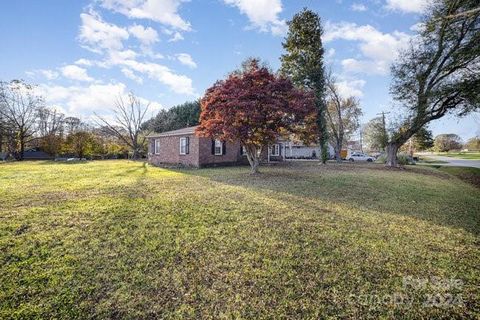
column 183, row 147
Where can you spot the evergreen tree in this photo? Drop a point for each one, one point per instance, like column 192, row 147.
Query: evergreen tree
column 184, row 115
column 303, row 64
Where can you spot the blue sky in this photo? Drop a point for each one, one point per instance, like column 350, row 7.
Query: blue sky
column 83, row 54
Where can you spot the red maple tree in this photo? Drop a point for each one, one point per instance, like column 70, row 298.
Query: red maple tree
column 256, row 107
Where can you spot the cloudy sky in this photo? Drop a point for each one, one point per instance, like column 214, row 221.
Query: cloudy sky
column 84, row 53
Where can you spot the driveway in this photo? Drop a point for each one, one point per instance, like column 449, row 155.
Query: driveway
column 455, row 161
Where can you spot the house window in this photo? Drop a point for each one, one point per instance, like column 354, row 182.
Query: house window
column 184, row 145
column 218, row 148
column 157, row 146
column 243, row 151
column 275, row 150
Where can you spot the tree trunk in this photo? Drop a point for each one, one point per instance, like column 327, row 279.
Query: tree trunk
column 338, row 150
column 392, row 149
column 22, row 149
column 254, row 166
column 253, row 157
column 135, row 154
column 324, row 150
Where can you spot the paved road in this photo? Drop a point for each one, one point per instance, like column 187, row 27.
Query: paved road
column 455, row 161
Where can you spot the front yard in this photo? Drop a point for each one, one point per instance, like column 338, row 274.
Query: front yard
column 120, row 239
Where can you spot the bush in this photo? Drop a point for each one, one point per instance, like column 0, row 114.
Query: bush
column 382, row 158
column 403, row 159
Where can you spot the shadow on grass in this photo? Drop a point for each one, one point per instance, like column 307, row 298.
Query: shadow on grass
column 142, row 168
column 426, row 194
column 53, row 162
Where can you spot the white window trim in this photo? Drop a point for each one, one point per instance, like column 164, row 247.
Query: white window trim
column 157, row 146
column 220, row 153
column 275, row 150
column 185, row 150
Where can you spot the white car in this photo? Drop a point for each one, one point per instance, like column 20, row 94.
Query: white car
column 356, row 156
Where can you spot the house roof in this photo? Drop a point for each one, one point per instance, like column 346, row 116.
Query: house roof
column 179, row 132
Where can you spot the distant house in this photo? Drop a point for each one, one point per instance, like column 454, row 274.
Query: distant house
column 183, row 147
column 299, row 150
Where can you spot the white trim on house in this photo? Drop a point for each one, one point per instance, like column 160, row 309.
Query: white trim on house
column 157, row 146
column 218, row 147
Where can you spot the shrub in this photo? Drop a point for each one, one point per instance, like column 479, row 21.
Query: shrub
column 403, row 159
column 382, row 158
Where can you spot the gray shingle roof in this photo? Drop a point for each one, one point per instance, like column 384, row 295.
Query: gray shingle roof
column 179, row 132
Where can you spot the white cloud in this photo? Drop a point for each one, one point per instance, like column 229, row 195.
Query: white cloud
column 367, row 66
column 177, row 36
column 378, row 49
column 174, row 35
column 99, row 35
column 85, row 100
column 186, row 59
column 131, row 75
column 46, row 73
column 163, row 11
column 358, row 7
column 117, row 57
column 330, row 53
column 75, row 73
column 417, row 27
column 263, row 14
column 127, row 59
column 351, row 87
column 409, row 6
column 107, row 39
column 178, row 83
column 147, row 36
column 84, row 62
column 81, row 100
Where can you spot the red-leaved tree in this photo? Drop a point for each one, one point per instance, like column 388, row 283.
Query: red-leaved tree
column 256, row 107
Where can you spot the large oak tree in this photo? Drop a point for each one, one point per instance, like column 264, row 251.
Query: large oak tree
column 440, row 72
column 255, row 106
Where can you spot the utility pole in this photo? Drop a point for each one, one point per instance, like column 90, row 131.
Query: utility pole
column 383, row 113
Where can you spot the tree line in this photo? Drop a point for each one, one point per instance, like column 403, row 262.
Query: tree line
column 376, row 137
column 26, row 122
column 438, row 74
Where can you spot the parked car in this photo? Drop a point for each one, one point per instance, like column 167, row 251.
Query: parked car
column 356, row 156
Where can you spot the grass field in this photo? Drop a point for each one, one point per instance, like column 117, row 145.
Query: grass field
column 471, row 175
column 461, row 155
column 119, row 239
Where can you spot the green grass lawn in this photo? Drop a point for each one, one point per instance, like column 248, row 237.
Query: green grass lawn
column 461, row 155
column 120, row 239
column 425, row 159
